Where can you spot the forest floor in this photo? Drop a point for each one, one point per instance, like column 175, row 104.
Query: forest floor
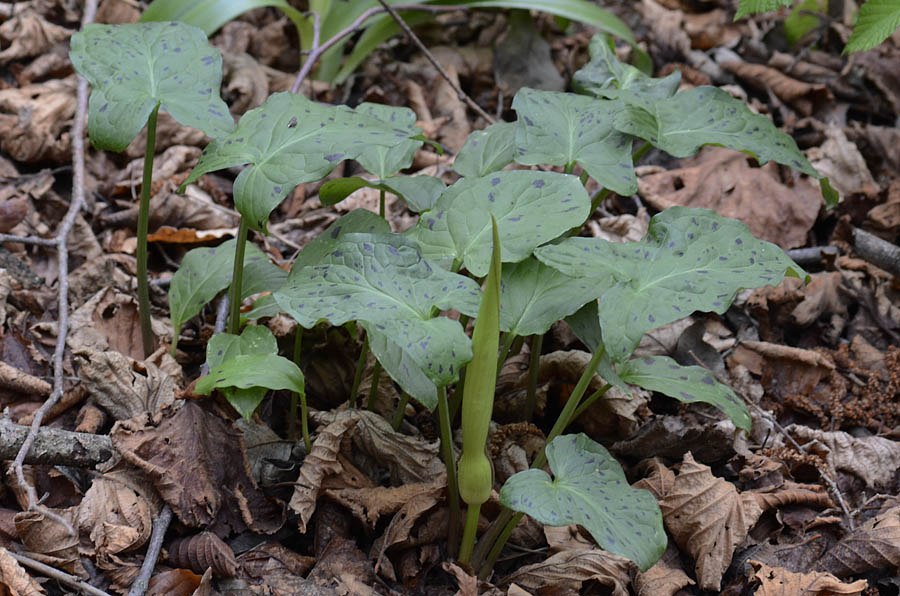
column 806, row 503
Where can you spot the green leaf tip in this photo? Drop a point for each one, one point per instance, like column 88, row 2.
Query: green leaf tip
column 134, row 67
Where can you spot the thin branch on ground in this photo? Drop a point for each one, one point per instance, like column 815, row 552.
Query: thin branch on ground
column 160, row 525
column 58, row 575
column 459, row 92
column 61, row 240
column 822, row 473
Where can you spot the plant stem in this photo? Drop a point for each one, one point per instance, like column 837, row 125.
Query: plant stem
column 360, row 366
column 381, row 203
column 234, row 318
column 473, row 512
column 292, row 414
column 456, row 400
column 143, row 281
column 400, row 411
column 450, row 463
column 508, row 339
column 373, row 392
column 570, row 167
column 590, row 401
column 534, row 369
column 507, row 520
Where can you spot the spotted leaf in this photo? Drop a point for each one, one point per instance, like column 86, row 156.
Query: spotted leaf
column 383, row 281
column 134, row 67
column 289, row 140
column 685, row 383
column 531, row 208
column 690, row 260
column 563, row 128
column 487, row 151
column 589, row 488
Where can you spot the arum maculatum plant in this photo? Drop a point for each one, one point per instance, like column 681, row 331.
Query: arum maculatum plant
column 511, row 225
column 135, row 70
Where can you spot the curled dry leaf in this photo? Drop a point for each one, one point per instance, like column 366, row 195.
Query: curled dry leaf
column 370, row 504
column 802, row 96
column 174, row 582
column 124, row 387
column 791, row 493
column 778, row 581
column 273, row 557
column 873, row 545
column 115, row 517
column 840, row 159
column 29, row 34
column 181, row 449
column 201, row 552
column 322, row 461
column 109, row 321
column 571, row 568
column 874, row 459
column 665, row 578
column 48, row 541
column 398, row 531
column 246, row 84
column 33, row 118
column 708, row 519
column 12, row 211
column 15, row 579
column 408, row 459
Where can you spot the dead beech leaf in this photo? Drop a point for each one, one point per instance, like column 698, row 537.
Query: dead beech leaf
column 202, row 552
column 658, row 479
column 34, row 121
column 29, row 35
column 569, row 569
column 408, row 458
column 181, row 449
column 802, row 96
column 12, row 211
column 15, row 579
column 840, row 159
column 345, row 568
column 791, row 493
column 246, row 84
column 109, row 320
column 873, row 545
column 273, row 557
column 778, row 581
column 124, row 387
column 322, row 461
column 874, row 459
column 708, row 519
column 398, row 530
column 665, row 577
column 48, row 541
column 723, row 180
column 370, row 504
column 115, row 517
column 174, row 582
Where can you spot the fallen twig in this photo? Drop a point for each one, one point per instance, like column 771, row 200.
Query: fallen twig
column 880, row 253
column 54, row 446
column 69, row 580
column 62, row 254
column 160, row 525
